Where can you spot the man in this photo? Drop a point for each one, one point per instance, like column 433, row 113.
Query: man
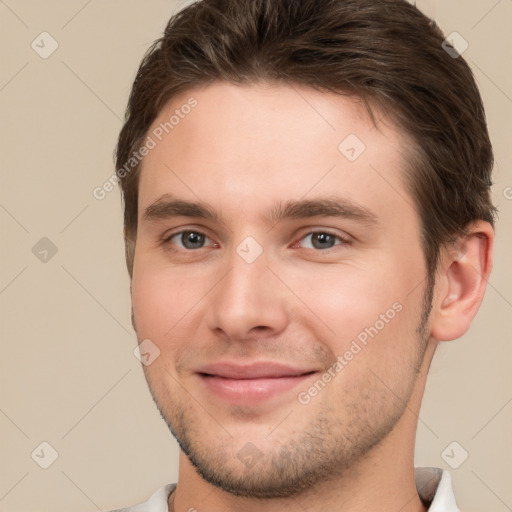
column 307, row 215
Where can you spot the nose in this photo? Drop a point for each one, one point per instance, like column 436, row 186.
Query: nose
column 248, row 303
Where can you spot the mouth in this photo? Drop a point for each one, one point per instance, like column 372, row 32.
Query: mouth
column 253, row 383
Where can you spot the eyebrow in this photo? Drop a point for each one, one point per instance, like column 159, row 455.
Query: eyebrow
column 166, row 207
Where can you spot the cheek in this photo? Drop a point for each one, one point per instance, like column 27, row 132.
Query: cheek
column 359, row 307
column 345, row 298
column 373, row 339
column 161, row 298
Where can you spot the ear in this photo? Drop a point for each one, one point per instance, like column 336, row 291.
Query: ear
column 461, row 280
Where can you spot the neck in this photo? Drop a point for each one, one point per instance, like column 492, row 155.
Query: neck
column 383, row 480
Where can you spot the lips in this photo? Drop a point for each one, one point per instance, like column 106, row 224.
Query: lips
column 259, row 370
column 251, row 383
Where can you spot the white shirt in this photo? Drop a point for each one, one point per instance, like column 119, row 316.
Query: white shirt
column 434, row 486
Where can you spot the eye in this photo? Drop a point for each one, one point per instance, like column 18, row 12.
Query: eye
column 188, row 239
column 321, row 240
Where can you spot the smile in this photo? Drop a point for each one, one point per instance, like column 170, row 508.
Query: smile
column 252, row 383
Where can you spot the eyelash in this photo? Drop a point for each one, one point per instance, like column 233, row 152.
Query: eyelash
column 342, row 240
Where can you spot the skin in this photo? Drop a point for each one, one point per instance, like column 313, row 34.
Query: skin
column 241, row 151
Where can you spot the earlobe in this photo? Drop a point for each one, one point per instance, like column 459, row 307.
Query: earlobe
column 461, row 282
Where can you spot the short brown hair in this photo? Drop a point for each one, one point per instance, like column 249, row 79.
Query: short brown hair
column 384, row 51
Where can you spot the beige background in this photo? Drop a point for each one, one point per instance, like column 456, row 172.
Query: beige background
column 68, row 373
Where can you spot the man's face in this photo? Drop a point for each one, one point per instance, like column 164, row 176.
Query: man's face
column 287, row 309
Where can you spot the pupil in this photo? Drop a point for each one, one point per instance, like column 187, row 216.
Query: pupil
column 192, row 240
column 322, row 240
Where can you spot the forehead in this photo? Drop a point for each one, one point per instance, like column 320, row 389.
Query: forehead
column 239, row 146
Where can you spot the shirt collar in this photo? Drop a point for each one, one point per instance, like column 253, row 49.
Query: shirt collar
column 435, row 489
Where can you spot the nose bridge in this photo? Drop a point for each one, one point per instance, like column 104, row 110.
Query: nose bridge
column 246, row 283
column 242, row 281
column 248, row 267
column 246, row 297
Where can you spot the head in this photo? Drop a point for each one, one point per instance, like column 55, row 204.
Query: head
column 277, row 117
